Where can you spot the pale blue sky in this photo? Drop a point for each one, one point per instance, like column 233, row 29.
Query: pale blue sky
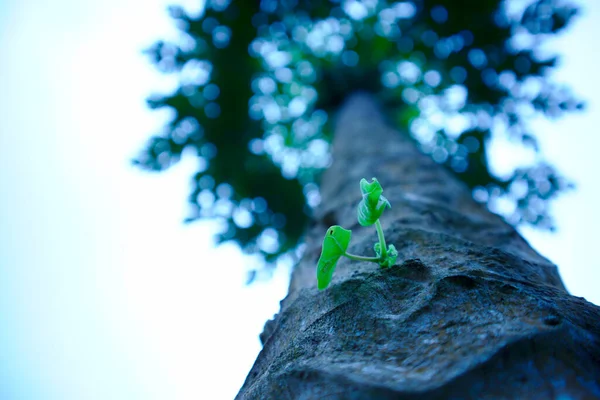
column 99, row 301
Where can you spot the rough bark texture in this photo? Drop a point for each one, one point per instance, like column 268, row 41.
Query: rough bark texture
column 469, row 311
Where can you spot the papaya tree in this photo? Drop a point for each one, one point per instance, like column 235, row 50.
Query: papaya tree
column 288, row 104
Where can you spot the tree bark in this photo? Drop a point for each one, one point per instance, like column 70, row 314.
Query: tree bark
column 469, row 311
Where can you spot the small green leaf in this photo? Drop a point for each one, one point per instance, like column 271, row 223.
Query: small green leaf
column 392, row 255
column 335, row 244
column 372, row 204
column 377, row 248
column 390, row 259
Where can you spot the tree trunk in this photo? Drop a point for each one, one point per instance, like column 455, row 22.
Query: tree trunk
column 469, row 311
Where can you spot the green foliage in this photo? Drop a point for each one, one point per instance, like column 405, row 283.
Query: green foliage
column 337, row 239
column 258, row 81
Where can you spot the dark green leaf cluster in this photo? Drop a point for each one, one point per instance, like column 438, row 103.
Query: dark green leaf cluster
column 258, row 81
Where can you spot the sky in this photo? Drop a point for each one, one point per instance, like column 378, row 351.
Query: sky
column 104, row 293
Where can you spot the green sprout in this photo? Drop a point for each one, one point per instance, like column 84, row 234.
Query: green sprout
column 337, row 239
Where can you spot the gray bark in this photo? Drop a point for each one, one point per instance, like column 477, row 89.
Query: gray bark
column 469, row 311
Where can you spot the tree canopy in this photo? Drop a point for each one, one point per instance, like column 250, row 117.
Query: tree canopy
column 259, row 82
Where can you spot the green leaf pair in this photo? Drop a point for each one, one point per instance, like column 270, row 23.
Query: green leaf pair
column 337, row 239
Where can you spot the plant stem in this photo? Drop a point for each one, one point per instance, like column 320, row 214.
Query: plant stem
column 362, row 258
column 381, row 239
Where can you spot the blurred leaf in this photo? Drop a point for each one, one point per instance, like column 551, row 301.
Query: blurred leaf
column 259, row 82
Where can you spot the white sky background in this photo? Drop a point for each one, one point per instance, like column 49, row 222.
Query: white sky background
column 104, row 293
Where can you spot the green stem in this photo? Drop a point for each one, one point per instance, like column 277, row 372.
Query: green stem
column 362, row 258
column 381, row 239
